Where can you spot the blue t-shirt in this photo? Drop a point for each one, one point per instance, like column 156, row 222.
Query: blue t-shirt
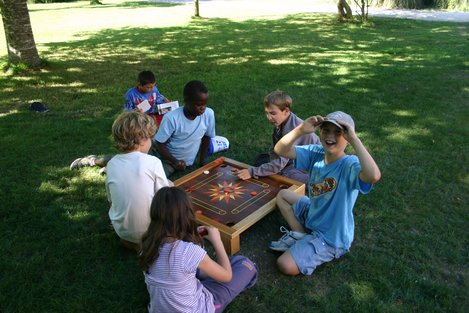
column 332, row 190
column 183, row 136
column 133, row 97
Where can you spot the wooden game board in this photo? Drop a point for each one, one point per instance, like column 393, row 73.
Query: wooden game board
column 232, row 205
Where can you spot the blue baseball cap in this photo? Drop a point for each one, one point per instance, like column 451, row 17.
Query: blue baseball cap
column 334, row 117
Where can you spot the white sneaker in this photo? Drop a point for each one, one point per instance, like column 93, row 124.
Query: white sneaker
column 83, row 162
column 103, row 171
column 288, row 239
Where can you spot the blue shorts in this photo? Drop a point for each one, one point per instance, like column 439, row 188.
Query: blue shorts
column 311, row 251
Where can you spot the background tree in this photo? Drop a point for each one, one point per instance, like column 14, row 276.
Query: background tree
column 344, row 10
column 18, row 33
column 363, row 6
column 196, row 8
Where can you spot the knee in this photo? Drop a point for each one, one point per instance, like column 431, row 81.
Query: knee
column 281, row 194
column 249, row 264
column 282, row 203
column 287, row 266
column 239, row 260
column 244, row 269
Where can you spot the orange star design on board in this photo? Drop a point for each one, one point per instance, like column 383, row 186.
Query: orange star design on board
column 225, row 191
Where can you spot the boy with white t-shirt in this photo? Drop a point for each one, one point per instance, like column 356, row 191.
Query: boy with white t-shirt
column 133, row 177
column 186, row 130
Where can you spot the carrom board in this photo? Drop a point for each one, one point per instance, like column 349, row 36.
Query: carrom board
column 232, row 205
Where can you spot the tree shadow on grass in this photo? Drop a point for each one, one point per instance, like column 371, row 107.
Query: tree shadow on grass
column 393, row 78
column 123, row 4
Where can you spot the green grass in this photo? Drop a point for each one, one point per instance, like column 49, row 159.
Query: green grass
column 404, row 82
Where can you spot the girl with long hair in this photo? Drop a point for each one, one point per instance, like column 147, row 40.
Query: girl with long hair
column 180, row 275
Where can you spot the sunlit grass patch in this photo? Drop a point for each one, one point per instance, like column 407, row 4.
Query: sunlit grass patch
column 408, row 98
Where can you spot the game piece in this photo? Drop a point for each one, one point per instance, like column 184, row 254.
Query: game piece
column 253, row 193
column 217, row 219
column 234, row 170
column 199, row 212
column 203, row 232
column 219, row 160
column 206, row 172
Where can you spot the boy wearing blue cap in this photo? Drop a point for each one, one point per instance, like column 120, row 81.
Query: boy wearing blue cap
column 322, row 225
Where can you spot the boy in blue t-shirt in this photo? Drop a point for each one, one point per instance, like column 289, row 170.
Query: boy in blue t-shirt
column 322, row 224
column 145, row 90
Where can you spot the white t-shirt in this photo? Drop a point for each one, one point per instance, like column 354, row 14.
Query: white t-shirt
column 183, row 136
column 132, row 181
column 171, row 280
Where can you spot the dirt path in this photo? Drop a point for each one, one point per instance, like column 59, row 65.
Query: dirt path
column 242, row 9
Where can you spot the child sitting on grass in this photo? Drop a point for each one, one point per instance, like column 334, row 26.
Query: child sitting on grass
column 277, row 107
column 187, row 130
column 145, row 90
column 179, row 274
column 133, row 177
column 182, row 133
column 322, row 225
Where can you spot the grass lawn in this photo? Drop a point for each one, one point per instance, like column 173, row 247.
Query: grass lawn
column 404, row 82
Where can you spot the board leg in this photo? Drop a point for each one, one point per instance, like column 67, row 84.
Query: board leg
column 231, row 244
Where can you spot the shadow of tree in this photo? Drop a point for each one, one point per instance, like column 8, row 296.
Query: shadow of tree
column 104, row 5
column 384, row 76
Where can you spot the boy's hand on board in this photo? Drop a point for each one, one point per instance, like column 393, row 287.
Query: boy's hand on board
column 243, row 174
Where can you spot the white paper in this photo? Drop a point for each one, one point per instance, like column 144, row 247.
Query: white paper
column 144, row 106
column 166, row 107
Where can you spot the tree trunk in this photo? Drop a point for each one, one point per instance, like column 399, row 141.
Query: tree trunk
column 18, row 33
column 344, row 9
column 196, row 8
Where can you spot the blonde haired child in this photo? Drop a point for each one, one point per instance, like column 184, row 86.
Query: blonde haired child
column 133, row 177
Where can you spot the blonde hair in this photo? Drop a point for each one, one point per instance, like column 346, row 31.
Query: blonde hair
column 130, row 128
column 278, row 98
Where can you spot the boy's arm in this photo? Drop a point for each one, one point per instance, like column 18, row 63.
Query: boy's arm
column 129, row 102
column 159, row 97
column 285, row 146
column 266, row 169
column 204, row 145
column 370, row 172
column 209, row 134
column 166, row 155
